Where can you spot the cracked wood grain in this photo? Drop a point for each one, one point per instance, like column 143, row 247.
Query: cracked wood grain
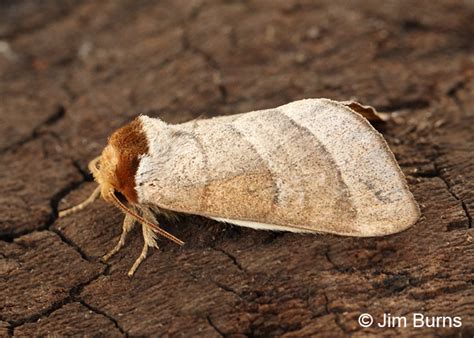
column 178, row 61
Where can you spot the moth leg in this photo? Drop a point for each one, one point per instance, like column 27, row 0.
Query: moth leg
column 149, row 239
column 139, row 260
column 128, row 224
column 149, row 236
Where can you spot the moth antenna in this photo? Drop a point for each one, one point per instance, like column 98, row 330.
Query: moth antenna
column 140, row 219
column 95, row 194
column 92, row 166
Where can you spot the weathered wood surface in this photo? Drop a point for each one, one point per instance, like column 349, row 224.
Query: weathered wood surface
column 73, row 71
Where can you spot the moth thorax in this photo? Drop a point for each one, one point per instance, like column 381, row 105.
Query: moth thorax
column 120, row 160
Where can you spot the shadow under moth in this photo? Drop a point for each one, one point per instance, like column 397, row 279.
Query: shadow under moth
column 314, row 166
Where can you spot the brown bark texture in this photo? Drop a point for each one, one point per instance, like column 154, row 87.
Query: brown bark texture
column 71, row 72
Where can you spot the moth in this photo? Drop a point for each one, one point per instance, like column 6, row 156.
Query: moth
column 310, row 166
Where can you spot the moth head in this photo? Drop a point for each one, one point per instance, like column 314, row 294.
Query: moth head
column 115, row 171
column 104, row 170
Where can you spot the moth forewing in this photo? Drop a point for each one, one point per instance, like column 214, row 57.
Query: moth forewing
column 312, row 164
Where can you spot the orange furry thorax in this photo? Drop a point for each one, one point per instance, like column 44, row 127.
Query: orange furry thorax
column 120, row 159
